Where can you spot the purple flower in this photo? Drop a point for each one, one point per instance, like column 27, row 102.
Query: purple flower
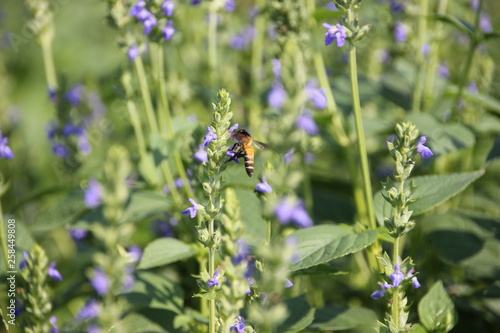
column 23, row 264
column 168, row 7
column 276, row 68
column 195, row 2
column 397, row 277
column 424, row 151
column 296, row 213
column 263, row 187
column 239, row 326
column 243, row 38
column 54, row 328
column 383, row 56
column 93, row 193
column 209, row 137
column 485, row 23
column 230, row 5
column 443, row 70
column 52, row 93
column 309, row 157
column 380, row 293
column 288, row 283
column 162, row 228
column 168, row 31
column 191, row 211
column 77, row 234
column 59, row 149
column 5, row 151
column 90, row 310
column 201, row 155
column 306, row 123
column 474, row 5
column 289, row 156
column 400, row 32
column 133, row 52
column 316, row 95
column 414, row 282
column 53, row 272
column 75, row 95
column 100, row 281
column 128, row 278
column 136, row 9
column 396, row 6
column 84, row 145
column 231, row 154
column 426, row 49
column 149, row 24
column 277, row 95
column 472, row 87
column 93, row 328
column 243, row 252
column 233, row 128
column 331, row 6
column 134, row 253
column 334, row 33
column 214, row 280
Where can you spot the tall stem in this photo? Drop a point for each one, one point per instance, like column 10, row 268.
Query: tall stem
column 211, row 270
column 146, row 96
column 422, row 30
column 3, row 239
column 48, row 61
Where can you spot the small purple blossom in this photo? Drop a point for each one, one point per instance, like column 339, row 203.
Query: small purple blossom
column 334, row 33
column 90, row 310
column 397, row 277
column 474, row 5
column 168, row 31
column 100, row 281
column 23, row 264
column 59, row 149
column 231, row 154
column 54, row 328
column 84, row 145
column 309, row 157
column 134, row 253
column 381, row 292
column 424, row 151
column 263, row 187
column 233, row 128
column 485, row 23
column 93, row 194
column 191, row 211
column 137, row 8
column 201, row 155
column 162, row 228
column 306, row 123
column 443, row 70
column 230, row 5
column 209, row 137
column 239, row 326
column 400, row 32
column 288, row 283
column 195, row 2
column 168, row 7
column 331, row 6
column 316, row 95
column 472, row 87
column 149, row 24
column 289, row 156
column 276, row 64
column 277, row 96
column 214, row 280
column 77, row 234
column 128, row 278
column 396, row 6
column 243, row 252
column 242, row 39
column 287, row 212
column 426, row 49
column 93, row 328
column 53, row 272
column 5, row 151
column 133, row 52
column 383, row 56
column 75, row 95
column 414, row 282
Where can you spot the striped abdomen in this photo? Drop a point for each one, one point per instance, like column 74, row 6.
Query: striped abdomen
column 249, row 154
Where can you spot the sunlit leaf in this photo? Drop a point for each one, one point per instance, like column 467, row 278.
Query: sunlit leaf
column 164, row 251
column 436, row 310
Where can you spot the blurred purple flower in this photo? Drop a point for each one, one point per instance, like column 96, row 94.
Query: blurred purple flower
column 128, row 278
column 90, row 310
column 201, row 155
column 316, row 95
column 168, row 7
column 209, row 137
column 239, row 326
column 53, row 272
column 84, row 145
column 424, row 151
column 288, row 283
column 306, row 123
column 149, row 24
column 263, row 187
column 309, row 157
column 334, row 33
column 100, row 281
column 5, row 151
column 485, row 23
column 93, row 193
column 195, row 2
column 93, row 328
column 134, row 253
column 133, row 52
column 400, row 32
column 54, row 328
column 233, row 128
column 331, row 6
column 137, row 8
column 414, row 282
column 426, row 49
column 380, row 293
column 214, row 280
column 443, row 70
column 230, row 5
column 296, row 213
column 397, row 277
column 59, row 149
column 289, row 156
column 168, row 31
column 75, row 94
column 276, row 68
column 243, row 252
column 22, row 263
column 383, row 56
column 396, row 6
column 52, row 93
column 472, row 87
column 162, row 228
column 474, row 5
column 277, row 95
column 230, row 153
column 77, row 234
column 243, row 38
column 191, row 211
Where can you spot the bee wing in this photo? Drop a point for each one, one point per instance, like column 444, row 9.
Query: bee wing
column 260, row 145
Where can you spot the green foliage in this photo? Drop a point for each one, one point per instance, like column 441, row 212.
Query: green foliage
column 164, row 251
column 436, row 310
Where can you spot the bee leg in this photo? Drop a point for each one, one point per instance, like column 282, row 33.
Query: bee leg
column 238, row 153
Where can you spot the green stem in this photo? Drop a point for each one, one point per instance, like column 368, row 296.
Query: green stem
column 3, row 239
column 211, row 270
column 212, row 42
column 468, row 63
column 146, row 96
column 396, row 291
column 422, row 31
column 48, row 61
column 308, row 196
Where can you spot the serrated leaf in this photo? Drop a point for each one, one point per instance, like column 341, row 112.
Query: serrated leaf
column 436, row 310
column 300, row 315
column 321, row 244
column 336, row 318
column 431, row 191
column 164, row 251
column 156, row 291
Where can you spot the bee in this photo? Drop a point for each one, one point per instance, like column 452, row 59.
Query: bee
column 243, row 148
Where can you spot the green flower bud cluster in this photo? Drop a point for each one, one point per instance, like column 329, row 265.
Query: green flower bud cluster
column 41, row 23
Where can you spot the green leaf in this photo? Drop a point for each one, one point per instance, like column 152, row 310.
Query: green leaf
column 494, row 152
column 150, row 321
column 436, row 310
column 322, row 269
column 24, row 241
column 156, row 291
column 164, row 251
column 336, row 319
column 456, row 22
column 300, row 315
column 486, row 101
column 431, row 191
column 321, row 244
column 144, row 204
column 417, row 328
